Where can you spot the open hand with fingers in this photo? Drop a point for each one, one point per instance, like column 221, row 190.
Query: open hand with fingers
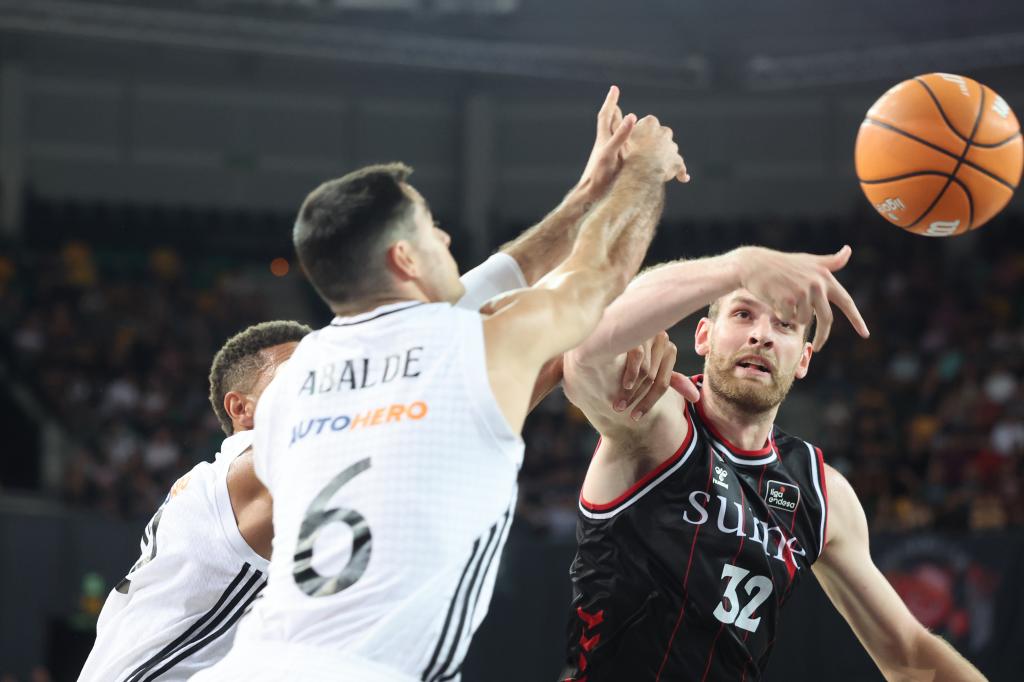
column 606, row 155
column 647, row 375
column 799, row 286
column 612, row 144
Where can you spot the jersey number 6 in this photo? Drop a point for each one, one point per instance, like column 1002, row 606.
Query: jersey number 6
column 307, row 577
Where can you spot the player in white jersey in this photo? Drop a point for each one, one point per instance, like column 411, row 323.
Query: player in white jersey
column 391, row 443
column 176, row 610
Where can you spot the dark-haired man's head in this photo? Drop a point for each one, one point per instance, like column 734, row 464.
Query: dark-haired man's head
column 369, row 236
column 245, row 365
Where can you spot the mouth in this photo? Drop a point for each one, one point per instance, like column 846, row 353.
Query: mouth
column 755, row 365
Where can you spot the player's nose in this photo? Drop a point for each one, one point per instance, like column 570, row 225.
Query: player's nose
column 762, row 334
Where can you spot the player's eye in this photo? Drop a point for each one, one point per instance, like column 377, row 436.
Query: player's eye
column 742, row 314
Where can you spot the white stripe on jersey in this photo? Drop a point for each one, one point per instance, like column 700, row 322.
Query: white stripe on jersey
column 819, row 493
column 176, row 610
column 393, row 473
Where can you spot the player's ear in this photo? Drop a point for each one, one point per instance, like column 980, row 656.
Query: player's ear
column 240, row 409
column 702, row 337
column 805, row 360
column 401, row 260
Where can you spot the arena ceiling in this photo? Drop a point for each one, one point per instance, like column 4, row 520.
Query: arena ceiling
column 677, row 44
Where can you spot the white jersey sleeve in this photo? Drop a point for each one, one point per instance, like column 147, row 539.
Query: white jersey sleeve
column 176, row 610
column 393, row 473
column 496, row 275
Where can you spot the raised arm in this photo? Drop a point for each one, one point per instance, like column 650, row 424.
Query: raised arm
column 533, row 325
column 797, row 284
column 544, row 246
column 901, row 647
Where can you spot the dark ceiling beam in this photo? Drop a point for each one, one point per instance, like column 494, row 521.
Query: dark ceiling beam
column 893, row 62
column 348, row 44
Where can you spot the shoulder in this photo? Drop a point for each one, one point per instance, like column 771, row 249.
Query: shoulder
column 846, row 515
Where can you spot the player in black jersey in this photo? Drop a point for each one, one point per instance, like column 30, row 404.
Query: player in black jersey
column 697, row 521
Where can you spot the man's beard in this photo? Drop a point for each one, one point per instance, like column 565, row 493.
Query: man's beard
column 750, row 397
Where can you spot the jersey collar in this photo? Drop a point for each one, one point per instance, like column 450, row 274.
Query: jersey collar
column 235, row 445
column 736, row 454
column 379, row 311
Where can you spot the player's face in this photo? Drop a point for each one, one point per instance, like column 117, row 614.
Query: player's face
column 439, row 276
column 276, row 356
column 751, row 356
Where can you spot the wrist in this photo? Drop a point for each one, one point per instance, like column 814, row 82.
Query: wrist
column 642, row 167
column 581, row 197
column 733, row 265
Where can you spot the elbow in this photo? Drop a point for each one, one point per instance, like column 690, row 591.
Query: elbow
column 905, row 657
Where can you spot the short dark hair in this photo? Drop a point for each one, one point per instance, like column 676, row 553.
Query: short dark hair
column 808, row 331
column 345, row 222
column 238, row 363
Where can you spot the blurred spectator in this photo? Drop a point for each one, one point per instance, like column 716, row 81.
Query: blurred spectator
column 926, row 418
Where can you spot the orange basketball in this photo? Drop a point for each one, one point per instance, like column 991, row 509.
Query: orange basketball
column 939, row 154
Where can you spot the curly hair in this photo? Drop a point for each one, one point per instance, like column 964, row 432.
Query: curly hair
column 238, row 363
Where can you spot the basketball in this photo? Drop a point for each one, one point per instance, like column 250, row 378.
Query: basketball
column 939, row 154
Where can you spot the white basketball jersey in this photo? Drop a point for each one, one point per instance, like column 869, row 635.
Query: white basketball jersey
column 393, row 473
column 177, row 609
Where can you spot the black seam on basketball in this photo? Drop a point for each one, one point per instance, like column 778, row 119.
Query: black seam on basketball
column 970, row 203
column 1001, row 143
column 939, row 149
column 942, row 112
column 903, row 177
column 959, row 162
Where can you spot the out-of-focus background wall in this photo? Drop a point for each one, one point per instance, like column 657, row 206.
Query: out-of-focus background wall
column 152, row 156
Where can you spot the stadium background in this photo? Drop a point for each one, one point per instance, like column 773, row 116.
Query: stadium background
column 152, row 155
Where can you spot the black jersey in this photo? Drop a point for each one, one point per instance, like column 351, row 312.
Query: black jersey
column 684, row 576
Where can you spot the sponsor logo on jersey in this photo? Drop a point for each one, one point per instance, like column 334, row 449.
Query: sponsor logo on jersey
column 180, row 485
column 389, row 414
column 784, row 496
column 720, row 474
column 773, row 539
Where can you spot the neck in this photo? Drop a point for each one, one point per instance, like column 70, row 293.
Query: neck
column 745, row 430
column 368, row 303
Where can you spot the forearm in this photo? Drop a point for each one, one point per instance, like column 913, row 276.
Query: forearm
column 658, row 299
column 541, row 248
column 616, row 233
column 934, row 659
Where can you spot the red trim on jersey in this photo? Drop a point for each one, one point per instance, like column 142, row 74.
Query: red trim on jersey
column 650, row 476
column 824, row 491
column 686, row 578
column 590, row 620
column 738, row 451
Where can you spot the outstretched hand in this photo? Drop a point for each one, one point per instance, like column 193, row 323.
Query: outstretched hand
column 647, row 376
column 800, row 286
column 613, row 130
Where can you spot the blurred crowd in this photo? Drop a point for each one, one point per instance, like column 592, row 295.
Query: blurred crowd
column 926, row 417
column 116, row 346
